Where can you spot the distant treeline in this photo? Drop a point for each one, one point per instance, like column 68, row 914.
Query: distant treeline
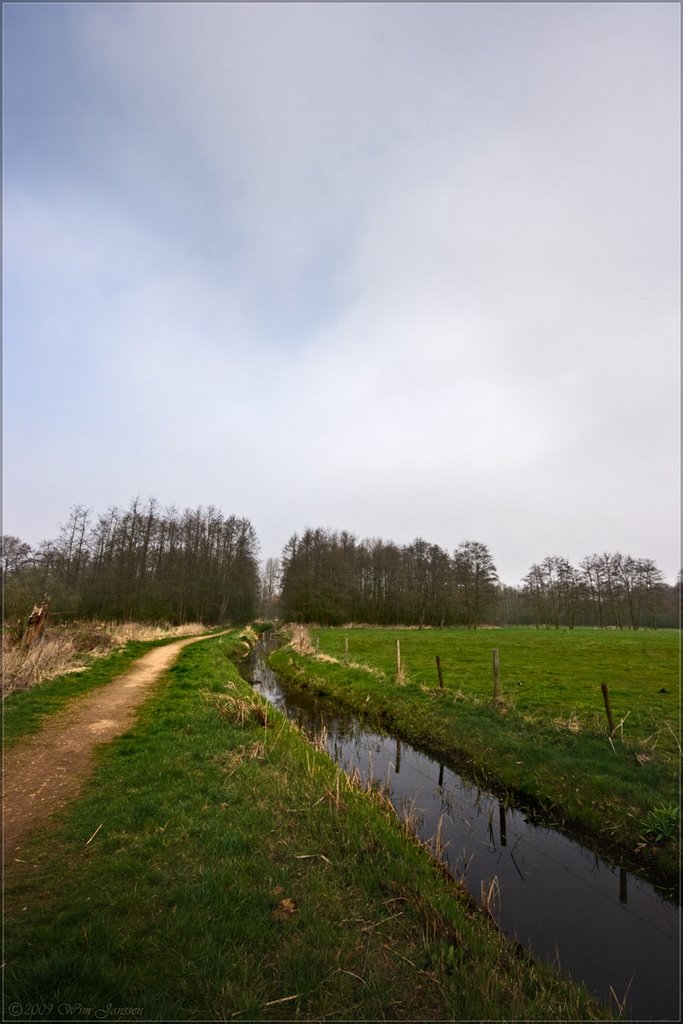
column 142, row 563
column 150, row 564
column 332, row 578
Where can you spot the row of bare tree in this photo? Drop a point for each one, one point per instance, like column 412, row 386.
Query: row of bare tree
column 333, row 578
column 607, row 590
column 143, row 562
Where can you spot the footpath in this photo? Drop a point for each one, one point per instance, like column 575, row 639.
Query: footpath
column 44, row 771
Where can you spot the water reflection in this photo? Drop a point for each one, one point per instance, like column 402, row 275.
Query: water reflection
column 603, row 926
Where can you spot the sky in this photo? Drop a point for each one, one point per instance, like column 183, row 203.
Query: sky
column 408, row 270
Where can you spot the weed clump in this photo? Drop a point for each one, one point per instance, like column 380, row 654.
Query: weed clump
column 662, row 824
column 236, row 708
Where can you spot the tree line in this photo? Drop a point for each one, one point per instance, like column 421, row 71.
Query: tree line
column 141, row 563
column 154, row 564
column 332, row 578
column 607, row 590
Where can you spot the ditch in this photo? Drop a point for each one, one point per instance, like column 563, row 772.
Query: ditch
column 595, row 920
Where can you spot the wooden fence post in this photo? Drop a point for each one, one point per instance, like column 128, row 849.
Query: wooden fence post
column 346, row 650
column 438, row 669
column 496, row 675
column 398, row 657
column 608, row 708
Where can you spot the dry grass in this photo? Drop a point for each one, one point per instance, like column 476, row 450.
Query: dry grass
column 122, row 632
column 570, row 722
column 237, row 709
column 231, row 760
column 69, row 648
column 301, row 639
column 248, row 637
column 301, row 642
column 490, row 896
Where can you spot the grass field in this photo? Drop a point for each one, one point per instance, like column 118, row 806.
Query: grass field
column 219, row 868
column 547, row 740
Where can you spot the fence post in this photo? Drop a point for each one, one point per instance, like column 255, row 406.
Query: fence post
column 398, row 657
column 496, row 675
column 346, row 650
column 608, row 708
column 438, row 669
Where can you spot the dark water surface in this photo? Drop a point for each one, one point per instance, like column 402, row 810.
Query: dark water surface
column 602, row 925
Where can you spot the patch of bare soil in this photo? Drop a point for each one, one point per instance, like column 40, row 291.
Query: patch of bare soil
column 42, row 772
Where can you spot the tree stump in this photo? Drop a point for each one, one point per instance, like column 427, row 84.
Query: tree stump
column 37, row 621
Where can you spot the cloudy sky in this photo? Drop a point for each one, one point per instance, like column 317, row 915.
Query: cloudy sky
column 402, row 269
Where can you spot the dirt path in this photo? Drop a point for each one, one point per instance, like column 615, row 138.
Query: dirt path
column 44, row 771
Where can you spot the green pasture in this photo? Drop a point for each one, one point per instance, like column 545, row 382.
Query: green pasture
column 545, row 674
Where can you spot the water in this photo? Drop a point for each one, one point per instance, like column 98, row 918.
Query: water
column 599, row 923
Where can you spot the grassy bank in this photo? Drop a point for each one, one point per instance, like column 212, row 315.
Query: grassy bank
column 217, row 867
column 547, row 741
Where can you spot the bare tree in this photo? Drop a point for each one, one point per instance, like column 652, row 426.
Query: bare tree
column 270, row 588
column 15, row 555
column 592, row 575
column 477, row 581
